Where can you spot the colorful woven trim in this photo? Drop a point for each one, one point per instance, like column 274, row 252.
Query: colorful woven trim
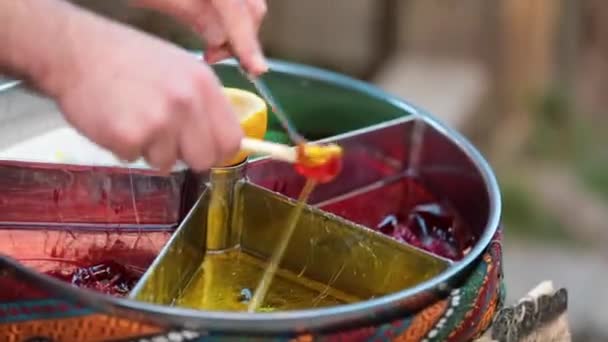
column 464, row 315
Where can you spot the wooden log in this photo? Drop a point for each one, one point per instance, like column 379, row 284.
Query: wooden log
column 538, row 316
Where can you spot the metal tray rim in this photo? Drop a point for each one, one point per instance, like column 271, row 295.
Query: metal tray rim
column 319, row 319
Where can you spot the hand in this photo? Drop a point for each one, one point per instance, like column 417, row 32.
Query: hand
column 227, row 26
column 140, row 96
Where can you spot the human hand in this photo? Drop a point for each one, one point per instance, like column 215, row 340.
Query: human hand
column 140, row 96
column 227, row 26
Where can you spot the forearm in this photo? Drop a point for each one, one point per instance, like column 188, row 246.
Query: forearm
column 37, row 40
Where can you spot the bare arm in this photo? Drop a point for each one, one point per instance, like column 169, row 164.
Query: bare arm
column 127, row 91
column 35, row 39
column 39, row 38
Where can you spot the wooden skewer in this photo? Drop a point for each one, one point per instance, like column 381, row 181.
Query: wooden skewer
column 274, row 150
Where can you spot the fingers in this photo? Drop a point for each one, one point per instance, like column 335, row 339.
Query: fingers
column 207, row 23
column 200, row 15
column 162, row 152
column 258, row 10
column 228, row 26
column 211, row 132
column 196, row 146
column 220, row 48
column 227, row 133
column 216, row 54
column 242, row 33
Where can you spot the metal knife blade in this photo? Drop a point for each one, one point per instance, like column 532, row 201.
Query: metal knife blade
column 264, row 91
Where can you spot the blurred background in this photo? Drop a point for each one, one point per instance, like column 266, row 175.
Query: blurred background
column 524, row 80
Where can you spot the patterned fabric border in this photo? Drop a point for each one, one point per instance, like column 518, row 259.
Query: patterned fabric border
column 465, row 314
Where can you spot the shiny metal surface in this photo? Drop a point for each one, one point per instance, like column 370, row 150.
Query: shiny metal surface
column 324, row 248
column 36, row 190
column 325, row 105
column 442, row 165
column 222, row 233
column 178, row 260
column 331, row 250
column 321, row 105
column 7, row 83
column 47, row 195
column 385, row 146
column 277, row 109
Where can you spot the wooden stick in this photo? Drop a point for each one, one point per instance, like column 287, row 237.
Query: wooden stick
column 274, row 150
